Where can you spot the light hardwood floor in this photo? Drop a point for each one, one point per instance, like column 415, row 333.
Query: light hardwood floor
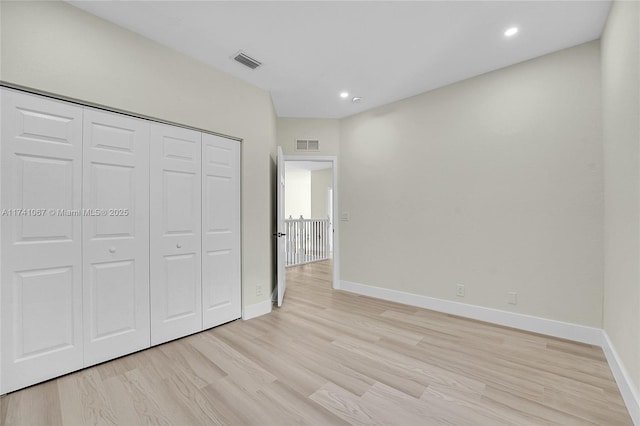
column 334, row 358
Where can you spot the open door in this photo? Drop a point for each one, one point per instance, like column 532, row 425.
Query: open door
column 281, row 278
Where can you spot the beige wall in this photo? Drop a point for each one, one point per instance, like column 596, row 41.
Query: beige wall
column 494, row 182
column 297, row 194
column 621, row 137
column 327, row 131
column 58, row 48
column 321, row 180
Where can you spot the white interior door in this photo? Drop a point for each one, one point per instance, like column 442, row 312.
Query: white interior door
column 280, row 233
column 41, row 280
column 221, row 289
column 176, row 291
column 115, row 235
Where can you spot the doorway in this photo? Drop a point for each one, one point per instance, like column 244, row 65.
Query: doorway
column 309, row 216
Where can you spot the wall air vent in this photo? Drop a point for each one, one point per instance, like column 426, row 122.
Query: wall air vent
column 247, row 60
column 307, row 145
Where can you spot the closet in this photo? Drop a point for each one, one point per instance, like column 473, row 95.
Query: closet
column 176, row 252
column 115, row 248
column 117, row 233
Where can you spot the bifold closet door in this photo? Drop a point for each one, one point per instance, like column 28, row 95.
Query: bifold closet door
column 41, row 239
column 115, row 235
column 221, row 230
column 176, row 291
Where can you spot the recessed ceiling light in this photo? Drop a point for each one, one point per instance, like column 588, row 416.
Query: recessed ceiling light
column 344, row 95
column 511, row 32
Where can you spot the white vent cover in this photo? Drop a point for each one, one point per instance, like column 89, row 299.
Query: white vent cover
column 247, row 60
column 307, row 145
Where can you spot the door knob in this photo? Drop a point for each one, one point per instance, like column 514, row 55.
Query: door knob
column 179, row 245
column 112, row 250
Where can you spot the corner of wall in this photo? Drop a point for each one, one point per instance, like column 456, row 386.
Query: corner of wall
column 256, row 309
column 628, row 389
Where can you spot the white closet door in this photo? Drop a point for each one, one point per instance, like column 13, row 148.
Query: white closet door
column 115, row 235
column 176, row 291
column 221, row 230
column 41, row 249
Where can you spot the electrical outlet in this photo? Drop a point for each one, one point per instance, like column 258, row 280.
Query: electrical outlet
column 512, row 298
column 259, row 290
column 460, row 290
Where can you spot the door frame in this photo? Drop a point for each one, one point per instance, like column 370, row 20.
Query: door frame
column 336, row 227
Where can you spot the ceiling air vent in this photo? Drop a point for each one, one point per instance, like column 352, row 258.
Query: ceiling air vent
column 307, row 145
column 247, row 60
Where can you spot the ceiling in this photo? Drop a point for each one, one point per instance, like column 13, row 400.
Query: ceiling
column 382, row 51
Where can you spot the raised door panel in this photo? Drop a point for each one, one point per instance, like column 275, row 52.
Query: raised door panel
column 180, row 272
column 116, row 235
column 53, row 178
column 221, row 288
column 41, row 282
column 176, row 292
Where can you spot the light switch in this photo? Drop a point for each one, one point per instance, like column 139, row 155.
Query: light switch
column 345, row 216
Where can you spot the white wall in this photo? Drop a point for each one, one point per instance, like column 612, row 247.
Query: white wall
column 621, row 137
column 321, row 181
column 306, row 192
column 297, row 193
column 327, row 131
column 55, row 47
column 494, row 182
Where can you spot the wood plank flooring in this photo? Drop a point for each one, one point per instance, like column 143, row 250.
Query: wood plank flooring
column 334, row 358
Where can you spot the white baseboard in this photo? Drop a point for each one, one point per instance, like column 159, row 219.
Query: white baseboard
column 564, row 330
column 256, row 310
column 627, row 388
